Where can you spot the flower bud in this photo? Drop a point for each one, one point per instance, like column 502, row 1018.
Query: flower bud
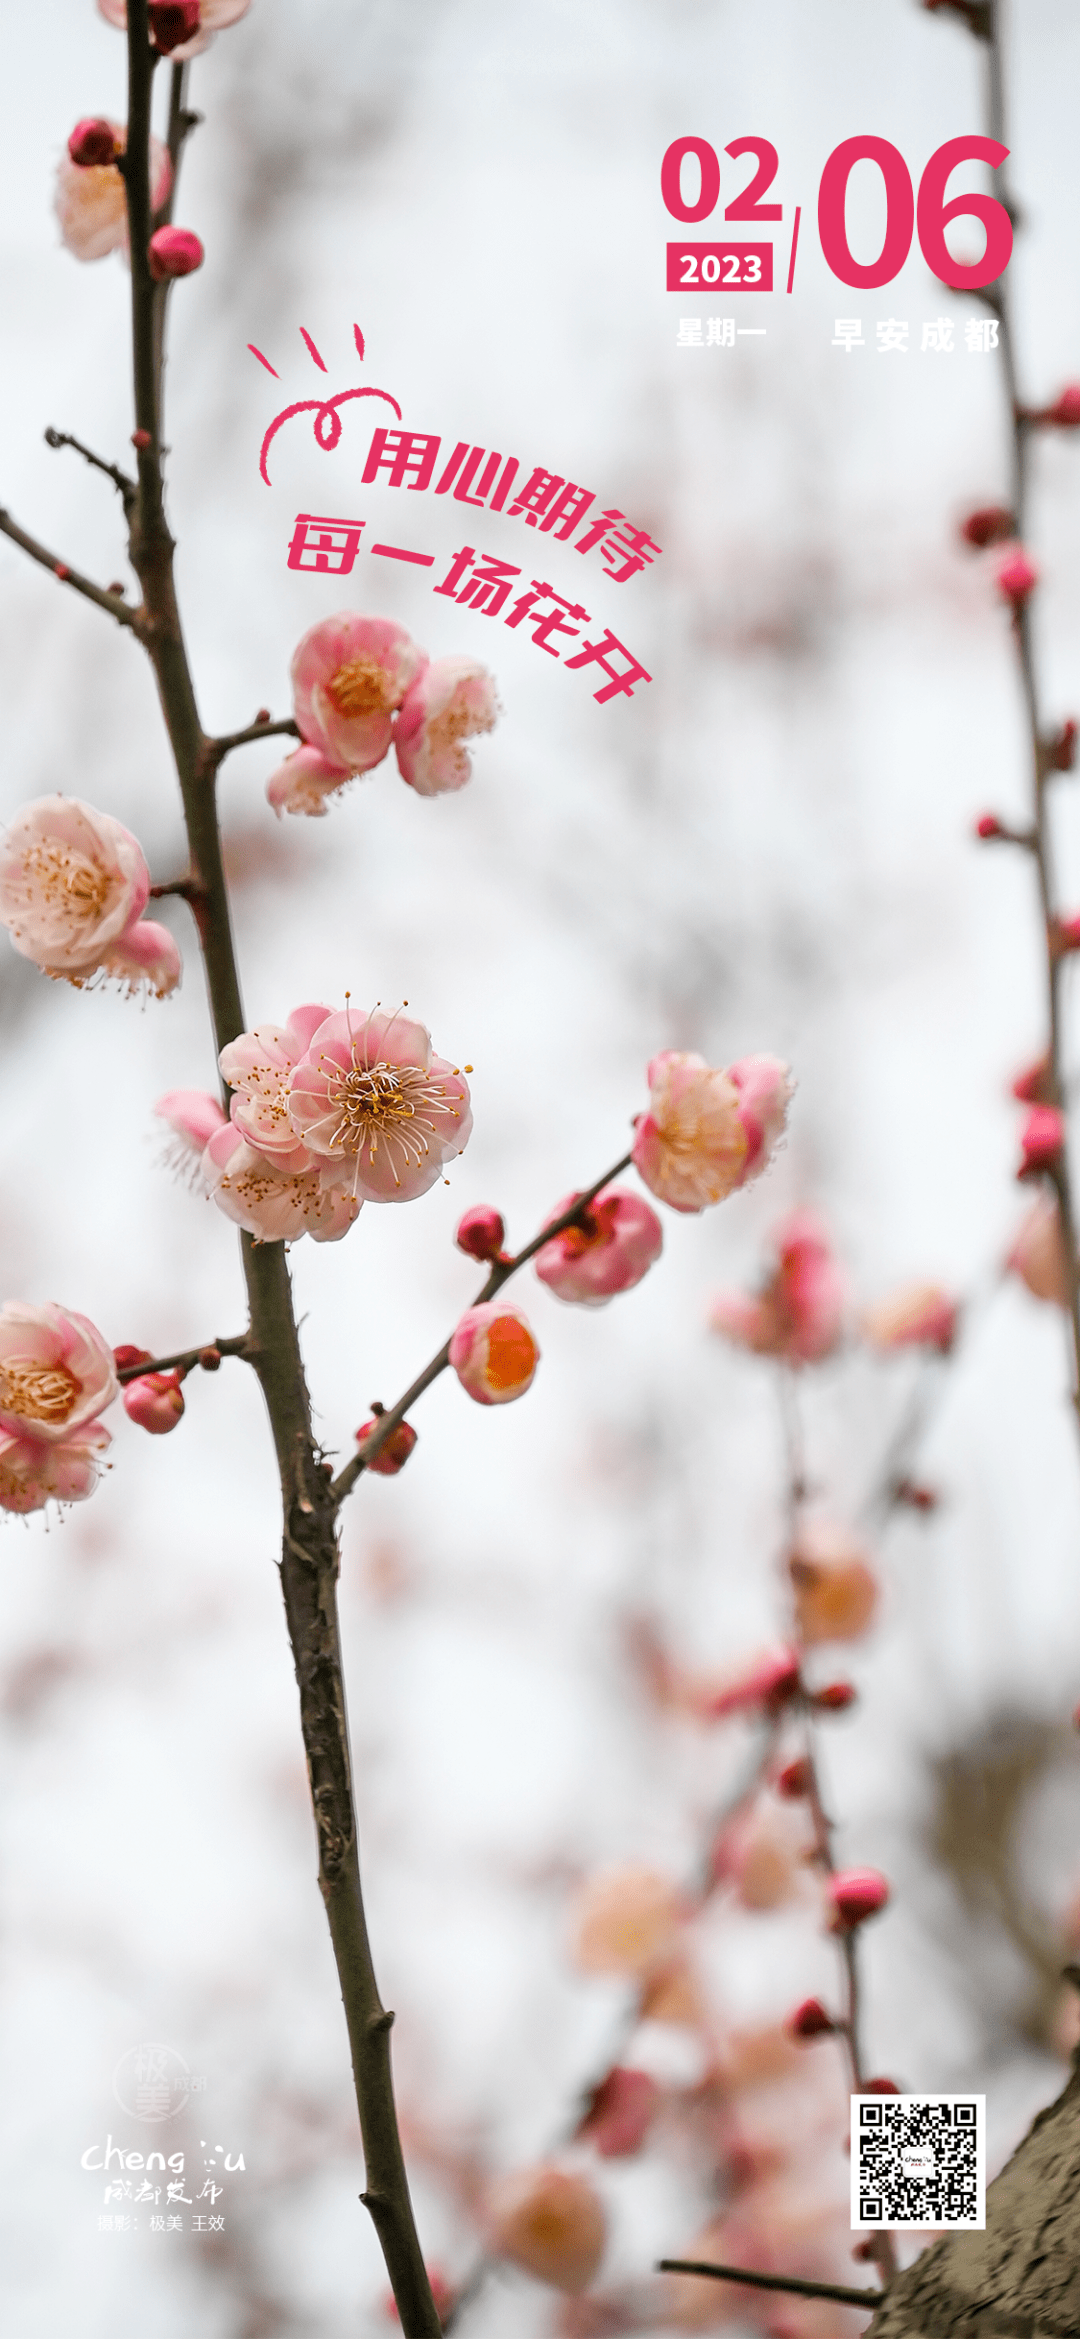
column 155, row 1402
column 1061, row 751
column 393, row 1456
column 992, row 525
column 1041, row 1140
column 914, row 1496
column 1034, row 1086
column 834, row 1698
column 173, row 251
column 480, row 1232
column 879, row 2087
column 494, row 1353
column 855, row 1894
column 1017, row 577
column 988, row 826
column 126, row 1355
column 92, row 142
column 810, row 2020
column 769, row 1682
column 620, row 2113
column 795, row 1779
column 172, row 21
column 1065, row 412
column 1065, row 935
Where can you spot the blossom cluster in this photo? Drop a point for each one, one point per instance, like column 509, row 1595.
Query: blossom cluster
column 361, row 684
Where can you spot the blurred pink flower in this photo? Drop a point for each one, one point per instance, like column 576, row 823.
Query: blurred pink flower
column 1041, row 1140
column 611, row 1253
column 451, row 700
column 31, row 1473
column 1017, row 577
column 551, row 2222
column 212, row 16
column 155, row 1401
column 629, row 1921
column 369, row 1095
column 259, row 1066
column 304, row 781
column 620, row 2114
column 494, row 1353
column 90, row 203
column 1038, row 1253
column 765, row 1089
column 769, row 1680
column 836, row 1595
column 760, row 1852
column 922, row 1315
column 798, row 1316
column 350, row 674
column 707, row 1131
column 272, row 1202
column 56, row 1373
column 72, row 881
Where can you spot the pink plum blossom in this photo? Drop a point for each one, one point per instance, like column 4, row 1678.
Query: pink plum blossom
column 259, row 1066
column 551, row 2222
column 72, row 882
column 708, row 1131
column 494, row 1353
column 629, row 1921
column 304, row 782
column 614, row 1250
column 145, row 957
column 1038, row 1253
column 370, row 1096
column 192, row 1115
column 272, row 1202
column 452, row 700
column 32, row 1474
column 836, row 1594
column 922, row 1315
column 56, row 1373
column 798, row 1314
column 90, row 203
column 350, row 674
column 155, row 1401
column 855, row 1894
column 212, row 16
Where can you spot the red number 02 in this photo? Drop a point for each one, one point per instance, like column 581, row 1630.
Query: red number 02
column 934, row 214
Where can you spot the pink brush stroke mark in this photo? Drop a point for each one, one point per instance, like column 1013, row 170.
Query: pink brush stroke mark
column 306, row 337
column 327, row 424
column 359, row 340
column 271, row 369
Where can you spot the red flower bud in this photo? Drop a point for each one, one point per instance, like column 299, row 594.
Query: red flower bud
column 1017, row 577
column 393, row 1456
column 140, row 439
column 1033, row 1086
column 880, row 2087
column 92, row 142
column 916, row 1497
column 171, row 22
column 810, row 2020
column 480, row 1232
column 1065, row 411
column 1065, row 935
column 126, row 1355
column 856, row 1893
column 994, row 525
column 795, row 1779
column 173, row 251
column 1061, row 752
column 988, row 825
column 155, row 1402
column 1041, row 1140
column 834, row 1697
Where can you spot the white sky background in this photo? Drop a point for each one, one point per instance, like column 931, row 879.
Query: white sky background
column 767, row 849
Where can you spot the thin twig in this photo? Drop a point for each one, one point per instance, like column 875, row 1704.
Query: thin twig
column 216, row 749
column 188, row 1358
column 112, row 603
column 502, row 1270
column 120, row 479
column 790, row 2282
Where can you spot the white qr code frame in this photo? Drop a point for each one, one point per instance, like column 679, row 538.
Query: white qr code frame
column 904, row 2151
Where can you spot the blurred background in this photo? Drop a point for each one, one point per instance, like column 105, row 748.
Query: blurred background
column 769, row 848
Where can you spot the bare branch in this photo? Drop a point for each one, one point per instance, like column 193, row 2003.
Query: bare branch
column 120, row 479
column 112, row 603
column 208, row 1356
column 790, row 2282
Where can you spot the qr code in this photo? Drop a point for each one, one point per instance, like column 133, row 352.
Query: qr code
column 918, row 2160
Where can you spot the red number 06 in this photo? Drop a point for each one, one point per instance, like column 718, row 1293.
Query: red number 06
column 934, row 214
